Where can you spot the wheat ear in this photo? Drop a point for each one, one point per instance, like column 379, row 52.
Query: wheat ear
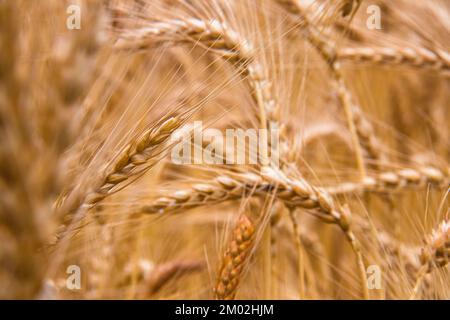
column 134, row 159
column 435, row 254
column 295, row 193
column 396, row 180
column 235, row 259
column 419, row 58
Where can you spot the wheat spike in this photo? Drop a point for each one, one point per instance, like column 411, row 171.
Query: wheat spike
column 134, row 159
column 235, row 259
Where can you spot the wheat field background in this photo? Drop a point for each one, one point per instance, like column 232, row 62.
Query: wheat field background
column 357, row 207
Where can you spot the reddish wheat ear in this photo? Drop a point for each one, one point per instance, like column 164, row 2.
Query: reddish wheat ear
column 235, row 259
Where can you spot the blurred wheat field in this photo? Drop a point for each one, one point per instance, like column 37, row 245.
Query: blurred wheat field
column 357, row 206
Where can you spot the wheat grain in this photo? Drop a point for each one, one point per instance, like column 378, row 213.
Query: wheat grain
column 293, row 192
